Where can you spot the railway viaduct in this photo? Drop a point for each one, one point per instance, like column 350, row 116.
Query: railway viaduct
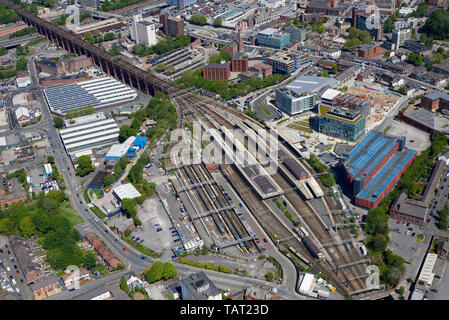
column 112, row 65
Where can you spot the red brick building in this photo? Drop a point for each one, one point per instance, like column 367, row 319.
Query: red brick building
column 239, row 62
column 220, row 72
column 261, row 68
column 369, row 51
column 435, row 101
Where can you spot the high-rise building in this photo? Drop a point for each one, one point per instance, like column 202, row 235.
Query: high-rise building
column 296, row 34
column 143, row 31
column 363, row 23
column 171, row 26
column 400, row 36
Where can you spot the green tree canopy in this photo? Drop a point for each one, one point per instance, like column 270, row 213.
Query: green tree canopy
column 84, row 165
column 169, row 271
column 198, row 19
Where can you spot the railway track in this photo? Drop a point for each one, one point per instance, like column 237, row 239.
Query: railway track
column 266, row 217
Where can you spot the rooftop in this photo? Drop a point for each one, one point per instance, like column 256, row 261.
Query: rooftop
column 126, row 191
column 429, row 119
column 311, row 83
column 340, row 114
column 410, row 207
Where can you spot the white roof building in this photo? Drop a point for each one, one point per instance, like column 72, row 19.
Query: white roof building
column 86, row 136
column 126, row 191
column 306, row 283
column 329, row 95
column 427, row 274
column 23, row 82
column 48, row 168
column 22, row 112
column 118, row 150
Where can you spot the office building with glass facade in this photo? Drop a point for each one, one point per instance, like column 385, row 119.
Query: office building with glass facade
column 273, row 38
column 342, row 123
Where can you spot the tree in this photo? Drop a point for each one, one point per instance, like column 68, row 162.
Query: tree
column 415, row 59
column 51, row 159
column 108, row 180
column 7, row 226
column 269, row 276
column 108, row 36
column 129, row 207
column 89, row 260
column 169, row 271
column 84, row 165
column 218, row 22
column 155, row 273
column 115, row 50
column 198, row 19
column 123, row 284
column 437, row 25
column 26, row 227
column 334, row 69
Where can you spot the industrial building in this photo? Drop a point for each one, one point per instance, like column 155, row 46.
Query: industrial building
column 97, row 93
column 273, row 38
column 220, row 71
column 340, row 122
column 292, row 102
column 424, row 120
column 121, row 149
column 285, row 62
column 374, row 166
column 143, row 31
column 125, row 191
column 239, row 62
column 88, row 132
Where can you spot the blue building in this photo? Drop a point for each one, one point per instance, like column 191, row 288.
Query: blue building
column 181, row 3
column 140, row 142
column 273, row 38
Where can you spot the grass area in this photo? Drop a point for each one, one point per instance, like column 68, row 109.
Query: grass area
column 142, row 249
column 220, row 268
column 98, row 212
column 266, row 111
column 74, row 219
column 328, row 148
column 387, row 129
column 420, row 238
column 281, row 121
column 300, row 128
column 86, row 197
column 97, row 193
column 36, row 41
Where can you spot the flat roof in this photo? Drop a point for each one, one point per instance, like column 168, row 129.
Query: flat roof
column 436, row 95
column 311, row 84
column 427, row 274
column 410, row 207
column 429, row 119
column 330, row 94
column 84, row 119
column 324, row 111
column 126, row 191
column 119, row 150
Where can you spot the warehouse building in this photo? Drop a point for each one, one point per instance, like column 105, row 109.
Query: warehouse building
column 121, row 149
column 88, row 132
column 125, row 191
column 374, row 166
column 97, row 93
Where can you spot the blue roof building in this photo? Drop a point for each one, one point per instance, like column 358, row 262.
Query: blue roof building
column 140, row 142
